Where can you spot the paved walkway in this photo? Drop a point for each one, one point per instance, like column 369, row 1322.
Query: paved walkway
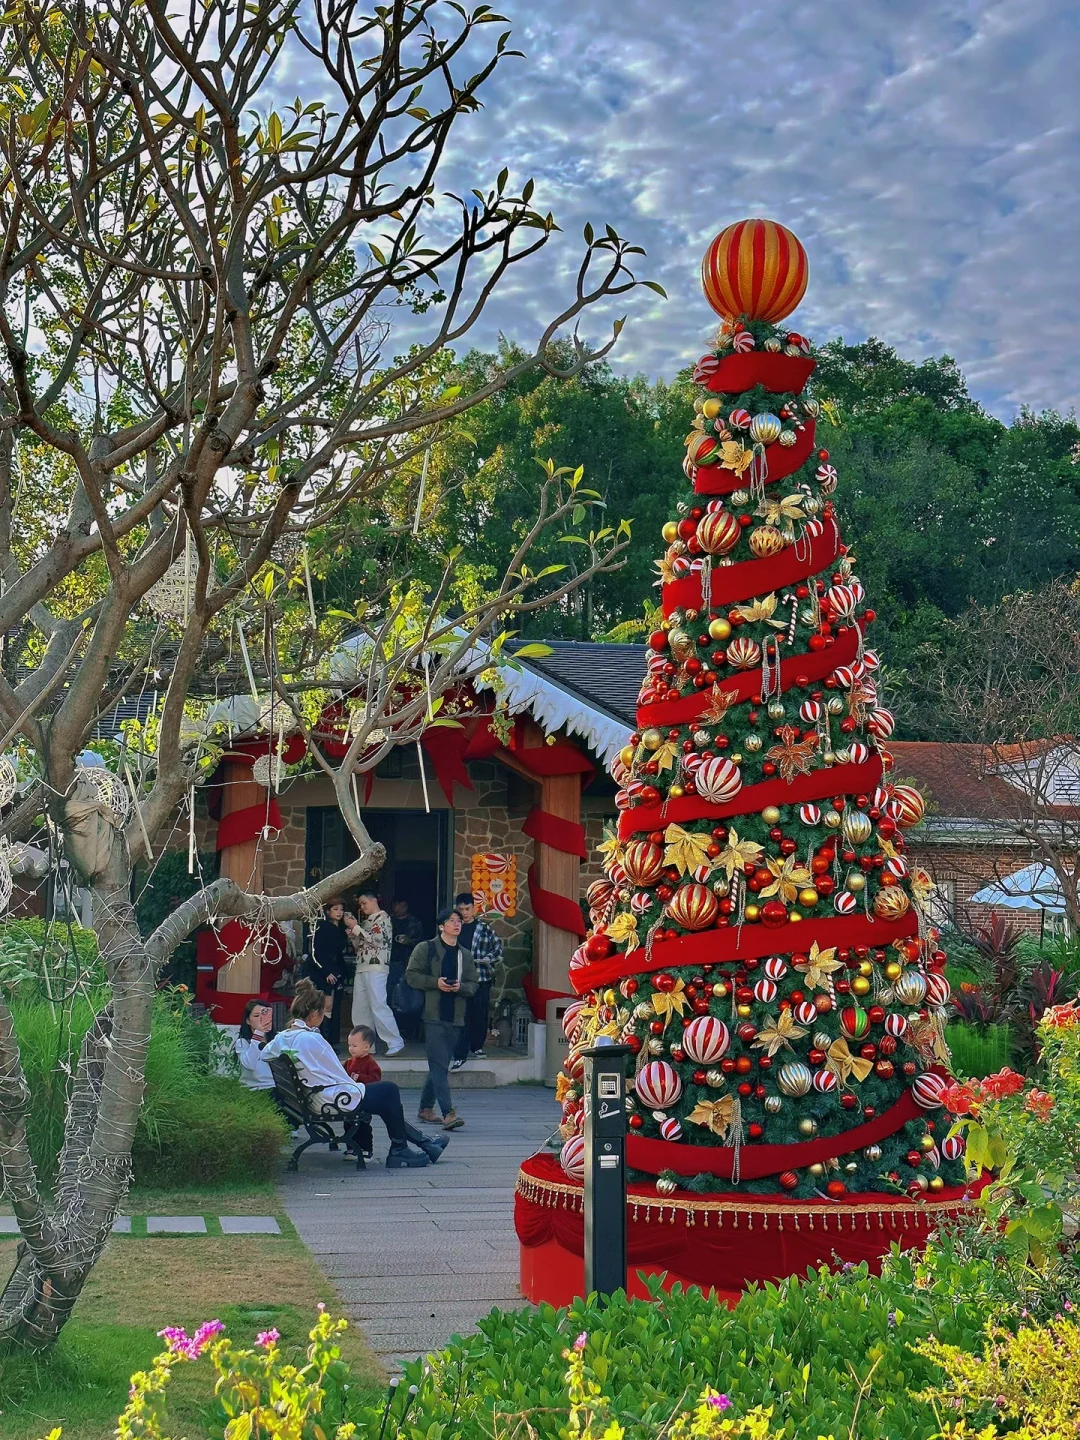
column 420, row 1255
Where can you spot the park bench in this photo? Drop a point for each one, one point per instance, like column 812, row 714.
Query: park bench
column 314, row 1112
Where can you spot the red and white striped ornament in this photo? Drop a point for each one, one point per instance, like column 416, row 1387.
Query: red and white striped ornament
column 578, row 960
column 742, row 341
column 896, row 866
column 896, row 1025
column 670, row 1129
column 911, row 803
column 844, row 902
column 952, row 1147
column 765, row 991
column 881, row 797
column 842, row 600
column 706, row 1040
column 718, row 780
column 810, row 814
column 571, row 1020
column 743, row 653
column 718, row 532
column 844, row 676
column 740, row 419
column 640, row 901
column 824, row 1081
column 811, row 711
column 881, row 723
column 806, row 1012
column 658, row 1085
column 706, row 366
column 858, row 752
column 871, row 660
column 927, row 1090
column 572, row 1157
column 775, row 967
column 623, row 800
column 827, row 478
column 938, row 989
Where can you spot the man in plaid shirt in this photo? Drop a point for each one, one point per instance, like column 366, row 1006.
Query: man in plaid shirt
column 486, row 949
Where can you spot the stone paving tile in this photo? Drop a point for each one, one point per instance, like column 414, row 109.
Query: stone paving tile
column 122, row 1225
column 175, row 1225
column 8, row 1225
column 419, row 1255
column 249, row 1225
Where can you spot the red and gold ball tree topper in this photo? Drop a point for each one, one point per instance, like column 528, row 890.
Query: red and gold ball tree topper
column 756, row 269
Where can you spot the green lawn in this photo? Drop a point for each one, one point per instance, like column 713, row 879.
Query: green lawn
column 252, row 1282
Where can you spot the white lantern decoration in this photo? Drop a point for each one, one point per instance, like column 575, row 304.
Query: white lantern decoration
column 262, row 770
column 109, row 790
column 172, row 596
column 8, row 781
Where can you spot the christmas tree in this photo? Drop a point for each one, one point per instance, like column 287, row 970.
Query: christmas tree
column 760, row 941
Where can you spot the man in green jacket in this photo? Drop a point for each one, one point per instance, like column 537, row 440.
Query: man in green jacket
column 444, row 970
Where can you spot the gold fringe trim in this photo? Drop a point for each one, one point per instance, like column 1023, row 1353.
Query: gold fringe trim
column 919, row 1214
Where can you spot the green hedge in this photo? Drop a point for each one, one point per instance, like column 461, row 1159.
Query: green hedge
column 979, row 1050
column 221, row 1133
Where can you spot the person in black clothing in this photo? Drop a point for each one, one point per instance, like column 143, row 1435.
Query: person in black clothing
column 407, row 932
column 331, row 962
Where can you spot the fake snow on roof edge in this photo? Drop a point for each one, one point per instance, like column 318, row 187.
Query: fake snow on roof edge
column 555, row 709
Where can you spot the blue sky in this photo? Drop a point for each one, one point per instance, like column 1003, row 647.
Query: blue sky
column 927, row 155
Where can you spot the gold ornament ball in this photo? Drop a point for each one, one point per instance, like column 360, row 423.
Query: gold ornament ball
column 808, row 898
column 841, row 757
column 676, row 792
column 817, row 1170
column 753, row 743
column 925, row 1143
column 829, row 757
column 794, row 1079
column 736, row 759
column 856, row 882
column 835, row 705
column 681, row 643
column 665, row 1185
column 891, row 904
column 921, row 1181
column 860, row 986
column 740, row 497
column 872, row 1153
column 643, row 1011
column 866, row 968
column 626, row 755
column 652, row 739
column 807, row 1126
column 788, row 438
column 832, row 820
column 610, row 997
column 893, row 971
column 720, row 989
column 719, row 629
column 670, row 532
column 656, row 1046
column 773, row 1104
column 702, row 739
column 771, row 815
column 744, row 1011
column 936, row 1183
column 765, row 541
column 822, row 1041
column 776, row 709
column 857, row 827
column 711, row 407
column 752, row 912
column 715, row 1078
column 772, row 344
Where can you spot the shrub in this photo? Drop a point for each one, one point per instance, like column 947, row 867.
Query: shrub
column 220, row 1133
column 978, row 1051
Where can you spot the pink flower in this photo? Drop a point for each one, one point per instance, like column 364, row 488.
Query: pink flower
column 720, row 1402
column 205, row 1333
column 581, row 1341
column 179, row 1342
column 267, row 1338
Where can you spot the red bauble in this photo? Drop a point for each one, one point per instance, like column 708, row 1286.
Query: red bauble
column 774, row 913
column 755, row 1131
column 788, row 1180
column 848, row 1101
column 664, row 982
column 598, row 947
column 835, row 1189
column 636, row 1122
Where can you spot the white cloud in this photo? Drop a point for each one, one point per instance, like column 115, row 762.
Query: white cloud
column 926, row 156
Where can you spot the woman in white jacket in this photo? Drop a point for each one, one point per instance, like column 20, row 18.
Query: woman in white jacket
column 256, row 1030
column 321, row 1070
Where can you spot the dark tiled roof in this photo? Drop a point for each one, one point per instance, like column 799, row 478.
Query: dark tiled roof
column 960, row 783
column 606, row 677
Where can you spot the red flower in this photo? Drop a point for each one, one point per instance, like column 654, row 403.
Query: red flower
column 1039, row 1103
column 961, row 1099
column 1060, row 1017
column 1005, row 1082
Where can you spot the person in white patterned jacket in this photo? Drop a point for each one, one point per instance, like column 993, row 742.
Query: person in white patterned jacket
column 372, row 939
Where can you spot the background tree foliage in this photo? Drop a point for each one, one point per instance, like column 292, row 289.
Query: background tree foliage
column 945, row 505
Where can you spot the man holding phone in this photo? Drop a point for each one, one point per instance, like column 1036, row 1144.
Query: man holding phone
column 444, row 970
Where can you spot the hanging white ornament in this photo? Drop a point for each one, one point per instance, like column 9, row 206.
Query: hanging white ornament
column 8, row 781
column 261, row 771
column 6, row 884
column 109, row 790
column 172, row 595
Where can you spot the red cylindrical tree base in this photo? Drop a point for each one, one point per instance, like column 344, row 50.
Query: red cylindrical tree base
column 722, row 1243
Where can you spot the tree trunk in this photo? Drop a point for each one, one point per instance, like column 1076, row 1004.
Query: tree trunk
column 63, row 1241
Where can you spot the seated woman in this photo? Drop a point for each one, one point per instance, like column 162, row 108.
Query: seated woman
column 321, row 1070
column 256, row 1030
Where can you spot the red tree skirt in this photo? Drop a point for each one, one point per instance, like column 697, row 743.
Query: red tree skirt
column 720, row 1242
